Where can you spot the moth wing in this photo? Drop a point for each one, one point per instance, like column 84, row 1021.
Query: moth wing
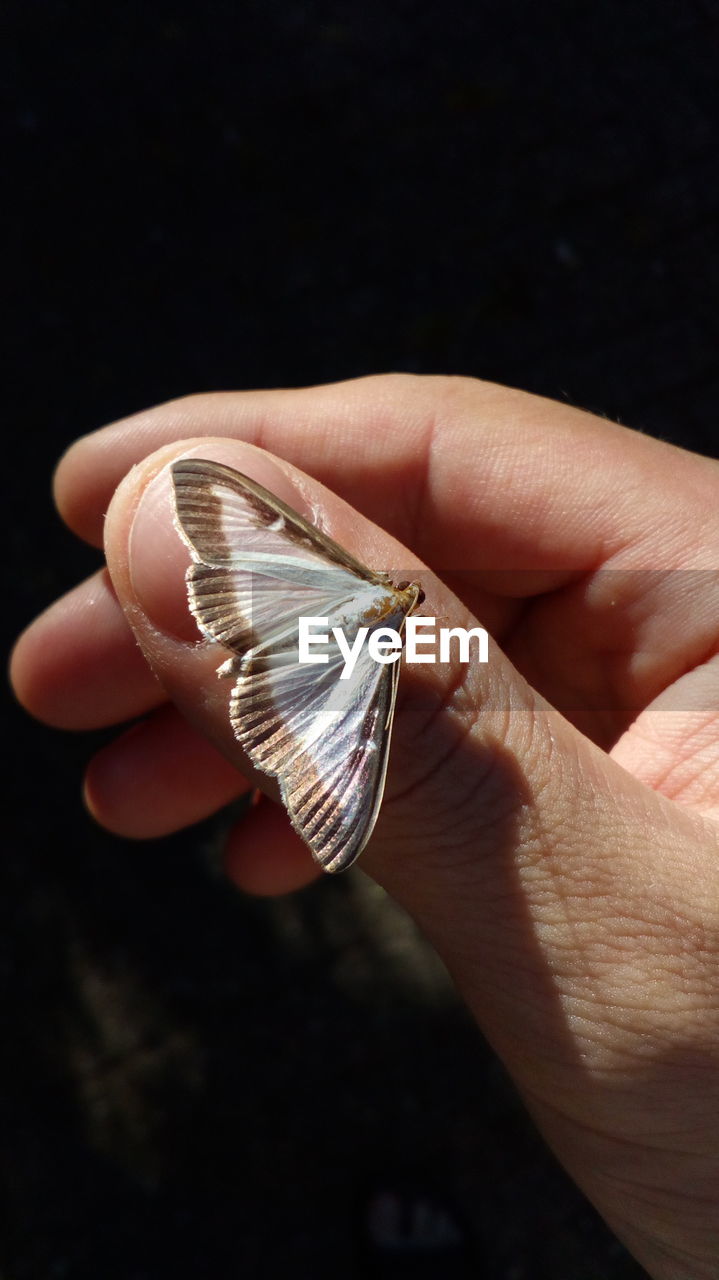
column 326, row 740
column 257, row 565
column 257, row 568
column 246, row 610
column 227, row 519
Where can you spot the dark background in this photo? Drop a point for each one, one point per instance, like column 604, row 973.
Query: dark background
column 239, row 195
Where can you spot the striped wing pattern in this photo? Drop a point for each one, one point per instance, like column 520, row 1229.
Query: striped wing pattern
column 257, row 568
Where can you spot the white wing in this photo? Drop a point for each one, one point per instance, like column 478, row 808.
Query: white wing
column 325, row 739
column 259, row 567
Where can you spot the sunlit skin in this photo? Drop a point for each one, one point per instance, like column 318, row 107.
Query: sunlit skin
column 565, row 866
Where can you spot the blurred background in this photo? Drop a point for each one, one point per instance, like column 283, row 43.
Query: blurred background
column 271, row 193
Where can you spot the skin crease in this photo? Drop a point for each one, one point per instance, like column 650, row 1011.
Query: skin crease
column 550, row 818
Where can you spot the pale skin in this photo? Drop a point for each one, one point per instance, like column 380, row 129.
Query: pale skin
column 565, row 866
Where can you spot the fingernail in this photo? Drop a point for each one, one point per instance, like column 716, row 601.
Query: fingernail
column 158, row 561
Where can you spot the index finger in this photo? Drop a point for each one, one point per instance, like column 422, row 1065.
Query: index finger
column 480, row 480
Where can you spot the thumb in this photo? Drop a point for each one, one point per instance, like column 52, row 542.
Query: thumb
column 514, row 841
column 576, row 909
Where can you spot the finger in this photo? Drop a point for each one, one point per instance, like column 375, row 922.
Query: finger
column 524, row 495
column 673, row 746
column 478, row 479
column 265, row 856
column 158, row 777
column 605, row 648
column 78, row 665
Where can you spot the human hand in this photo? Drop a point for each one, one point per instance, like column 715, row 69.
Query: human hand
column 566, row 867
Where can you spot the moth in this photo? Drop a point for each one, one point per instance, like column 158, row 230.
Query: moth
column 258, row 568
